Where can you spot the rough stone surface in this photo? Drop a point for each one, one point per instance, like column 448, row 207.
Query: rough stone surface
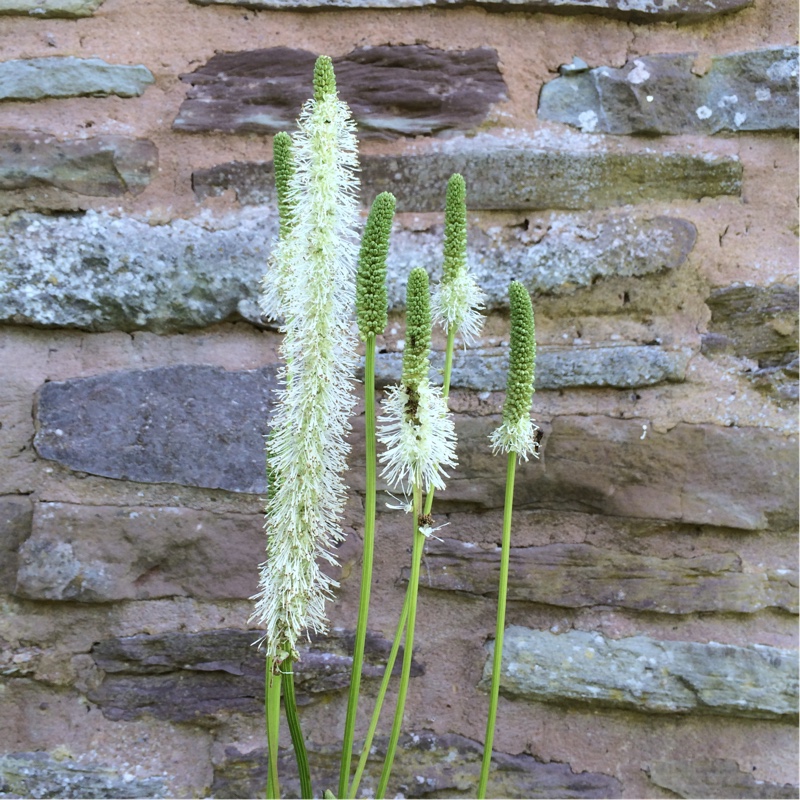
column 501, row 178
column 648, row 675
column 35, row 78
column 742, row 478
column 486, row 369
column 641, row 11
column 102, row 166
column 99, row 272
column 715, row 778
column 426, row 765
column 45, row 775
column 392, row 90
column 660, row 94
column 193, row 425
column 43, row 9
column 202, row 677
column 106, row 553
column 759, row 324
column 581, row 575
column 15, row 526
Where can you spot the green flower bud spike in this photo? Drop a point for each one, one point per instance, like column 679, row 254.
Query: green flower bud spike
column 371, row 297
column 516, row 434
column 455, row 229
column 324, row 78
column 416, row 355
column 283, row 167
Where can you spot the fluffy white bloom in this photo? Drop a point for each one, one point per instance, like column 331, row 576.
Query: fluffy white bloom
column 418, row 444
column 307, row 447
column 457, row 303
column 516, row 437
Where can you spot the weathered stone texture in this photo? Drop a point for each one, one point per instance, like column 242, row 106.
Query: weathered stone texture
column 716, row 778
column 99, row 272
column 639, row 11
column 193, row 425
column 43, row 775
column 742, row 478
column 649, row 675
column 104, row 553
column 42, row 9
column 392, row 90
column 503, row 178
column 582, row 575
column 16, row 516
column 659, row 94
column 486, row 369
column 202, row 677
column 37, row 78
column 102, row 166
column 426, row 765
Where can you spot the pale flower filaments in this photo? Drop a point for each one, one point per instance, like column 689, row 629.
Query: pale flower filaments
column 416, row 426
column 307, row 448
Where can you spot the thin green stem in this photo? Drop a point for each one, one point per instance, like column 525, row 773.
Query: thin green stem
column 272, row 705
column 376, row 713
column 366, row 567
column 299, row 745
column 502, row 594
column 413, row 585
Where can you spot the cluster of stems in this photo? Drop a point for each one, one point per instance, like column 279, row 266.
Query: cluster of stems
column 311, row 285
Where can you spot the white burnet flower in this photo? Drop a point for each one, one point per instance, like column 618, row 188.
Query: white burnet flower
column 307, row 447
column 457, row 303
column 516, row 437
column 419, row 445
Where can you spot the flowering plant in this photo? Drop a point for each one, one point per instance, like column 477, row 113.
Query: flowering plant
column 316, row 275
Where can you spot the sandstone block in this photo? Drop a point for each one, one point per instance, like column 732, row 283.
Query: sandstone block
column 510, row 178
column 42, row 9
column 426, row 765
column 581, row 575
column 486, row 369
column 648, row 675
column 715, row 778
column 392, row 90
column 40, row 774
column 60, row 76
column 681, row 10
column 750, row 91
column 15, row 526
column 191, row 425
column 200, row 677
column 92, row 554
column 102, row 166
column 99, row 272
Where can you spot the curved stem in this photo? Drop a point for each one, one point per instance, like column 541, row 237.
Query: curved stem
column 413, row 585
column 502, row 594
column 272, row 704
column 366, row 567
column 299, row 745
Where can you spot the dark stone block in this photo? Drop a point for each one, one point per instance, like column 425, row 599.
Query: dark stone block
column 426, row 765
column 750, row 91
column 581, row 575
column 203, row 677
column 392, row 90
column 505, row 178
column 191, row 425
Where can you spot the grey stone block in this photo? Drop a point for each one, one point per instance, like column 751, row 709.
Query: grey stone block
column 637, row 11
column 750, row 91
column 44, row 9
column 67, row 76
column 648, row 675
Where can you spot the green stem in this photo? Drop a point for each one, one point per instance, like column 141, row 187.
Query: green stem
column 387, row 674
column 272, row 704
column 502, row 595
column 299, row 745
column 413, row 585
column 366, row 567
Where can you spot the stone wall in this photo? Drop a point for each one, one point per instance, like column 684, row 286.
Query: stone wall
column 634, row 163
